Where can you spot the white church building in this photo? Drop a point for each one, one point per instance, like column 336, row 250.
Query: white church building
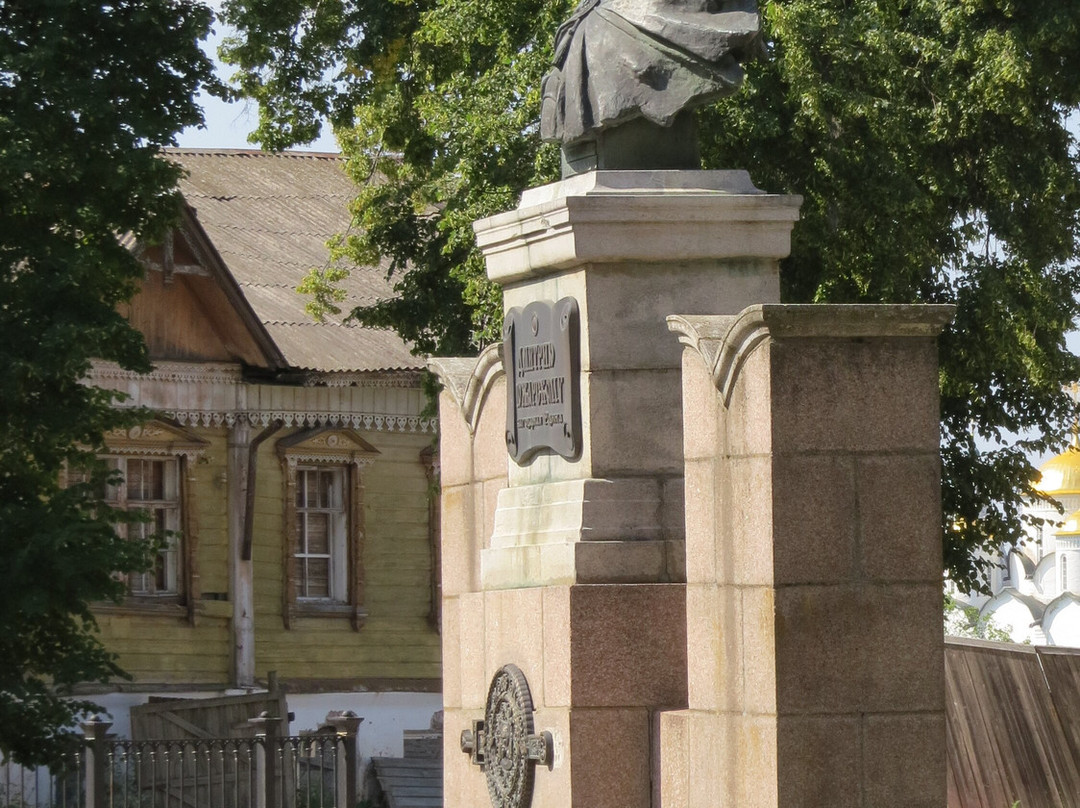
column 1036, row 587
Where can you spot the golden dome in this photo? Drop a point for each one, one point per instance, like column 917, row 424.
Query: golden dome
column 1071, row 527
column 1061, row 474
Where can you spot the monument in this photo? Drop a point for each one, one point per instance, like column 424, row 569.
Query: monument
column 661, row 561
column 628, row 73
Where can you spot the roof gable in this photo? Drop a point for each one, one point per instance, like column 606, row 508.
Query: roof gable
column 190, row 308
column 269, row 217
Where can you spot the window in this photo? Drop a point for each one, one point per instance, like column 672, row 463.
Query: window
column 157, row 460
column 151, row 486
column 324, row 523
column 322, row 527
column 1064, row 572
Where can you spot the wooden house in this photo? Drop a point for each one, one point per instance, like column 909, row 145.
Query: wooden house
column 292, row 459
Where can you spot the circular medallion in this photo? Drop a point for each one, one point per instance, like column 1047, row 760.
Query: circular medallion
column 508, row 724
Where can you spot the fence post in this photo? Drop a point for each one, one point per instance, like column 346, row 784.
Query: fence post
column 267, row 733
column 345, row 725
column 95, row 768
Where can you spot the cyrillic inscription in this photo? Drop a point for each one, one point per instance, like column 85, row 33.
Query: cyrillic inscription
column 540, row 353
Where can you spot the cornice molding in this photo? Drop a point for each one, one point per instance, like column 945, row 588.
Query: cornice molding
column 468, row 381
column 725, row 341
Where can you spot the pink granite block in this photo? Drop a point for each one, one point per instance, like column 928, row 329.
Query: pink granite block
column 868, row 394
column 628, row 645
column 611, row 758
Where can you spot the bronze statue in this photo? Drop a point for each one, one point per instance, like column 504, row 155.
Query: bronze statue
column 626, row 74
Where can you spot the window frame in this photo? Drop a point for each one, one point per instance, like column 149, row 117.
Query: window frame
column 317, row 449
column 171, row 503
column 161, row 440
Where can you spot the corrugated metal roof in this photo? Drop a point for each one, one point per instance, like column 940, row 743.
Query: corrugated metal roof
column 270, row 217
column 410, row 782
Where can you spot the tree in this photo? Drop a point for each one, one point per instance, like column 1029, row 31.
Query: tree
column 90, row 92
column 928, row 138
column 962, row 620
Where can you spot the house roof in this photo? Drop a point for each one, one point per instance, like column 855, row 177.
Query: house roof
column 269, row 217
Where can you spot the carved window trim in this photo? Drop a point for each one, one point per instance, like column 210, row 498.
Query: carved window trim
column 328, row 447
column 160, row 440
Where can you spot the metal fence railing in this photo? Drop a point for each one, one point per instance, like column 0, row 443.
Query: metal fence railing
column 265, row 771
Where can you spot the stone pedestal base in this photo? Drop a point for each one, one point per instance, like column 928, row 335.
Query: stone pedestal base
column 600, row 662
column 586, row 531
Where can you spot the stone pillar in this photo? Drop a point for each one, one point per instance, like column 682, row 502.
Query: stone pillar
column 813, row 545
column 571, row 569
column 631, row 247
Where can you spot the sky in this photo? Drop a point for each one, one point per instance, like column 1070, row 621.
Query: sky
column 228, row 125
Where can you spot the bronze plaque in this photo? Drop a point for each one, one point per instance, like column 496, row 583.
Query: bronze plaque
column 541, row 357
column 504, row 743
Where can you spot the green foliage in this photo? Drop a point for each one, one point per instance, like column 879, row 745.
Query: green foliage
column 964, row 621
column 89, row 95
column 928, row 138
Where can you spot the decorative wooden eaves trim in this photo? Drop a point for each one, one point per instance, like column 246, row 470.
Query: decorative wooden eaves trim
column 214, row 265
column 378, row 422
column 217, row 395
column 177, row 372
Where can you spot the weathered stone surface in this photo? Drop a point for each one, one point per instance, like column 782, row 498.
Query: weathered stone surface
column 675, row 729
column 849, row 649
column 899, row 528
column 489, row 447
column 701, row 521
column 455, row 443
column 460, row 552
column 472, row 651
column 558, row 673
column 633, row 423
column 641, row 217
column 803, row 781
column 451, row 655
column 815, row 653
column 836, row 395
column 814, row 533
column 514, row 632
column 903, row 760
column 462, row 782
column 611, row 758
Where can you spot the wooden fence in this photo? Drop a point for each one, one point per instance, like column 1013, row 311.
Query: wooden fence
column 263, row 771
column 1012, row 724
